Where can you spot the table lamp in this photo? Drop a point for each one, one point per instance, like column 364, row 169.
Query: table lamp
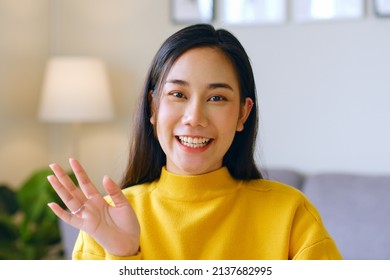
column 75, row 90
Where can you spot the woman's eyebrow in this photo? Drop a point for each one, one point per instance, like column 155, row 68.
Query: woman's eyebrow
column 210, row 86
column 177, row 81
column 220, row 85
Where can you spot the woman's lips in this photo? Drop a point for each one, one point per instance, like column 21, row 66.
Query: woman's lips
column 194, row 141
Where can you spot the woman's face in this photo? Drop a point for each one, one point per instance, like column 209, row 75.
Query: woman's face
column 199, row 111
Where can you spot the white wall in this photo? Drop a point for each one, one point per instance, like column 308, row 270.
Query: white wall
column 324, row 94
column 23, row 51
column 322, row 87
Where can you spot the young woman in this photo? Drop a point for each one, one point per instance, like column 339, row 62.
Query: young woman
column 192, row 189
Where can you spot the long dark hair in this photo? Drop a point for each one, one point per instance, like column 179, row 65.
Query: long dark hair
column 146, row 157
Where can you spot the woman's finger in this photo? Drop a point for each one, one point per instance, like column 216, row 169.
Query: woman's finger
column 71, row 201
column 85, row 183
column 115, row 192
column 67, row 183
column 67, row 217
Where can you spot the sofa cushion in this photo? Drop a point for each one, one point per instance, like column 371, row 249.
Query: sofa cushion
column 356, row 211
column 69, row 235
column 286, row 176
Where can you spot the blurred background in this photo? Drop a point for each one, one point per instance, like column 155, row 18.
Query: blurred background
column 323, row 85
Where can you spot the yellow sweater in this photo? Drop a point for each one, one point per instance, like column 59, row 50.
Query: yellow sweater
column 214, row 216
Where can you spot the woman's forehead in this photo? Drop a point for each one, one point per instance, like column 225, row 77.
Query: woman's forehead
column 206, row 63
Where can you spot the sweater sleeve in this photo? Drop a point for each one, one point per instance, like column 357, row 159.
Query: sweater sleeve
column 323, row 250
column 310, row 239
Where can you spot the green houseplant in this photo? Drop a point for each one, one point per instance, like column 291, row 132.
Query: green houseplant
column 28, row 228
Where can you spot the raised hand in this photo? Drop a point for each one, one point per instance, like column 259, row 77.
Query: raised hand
column 114, row 227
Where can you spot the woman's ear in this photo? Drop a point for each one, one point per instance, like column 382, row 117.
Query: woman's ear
column 246, row 109
column 152, row 108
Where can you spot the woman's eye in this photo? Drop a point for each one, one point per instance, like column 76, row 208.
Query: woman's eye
column 177, row 94
column 217, row 98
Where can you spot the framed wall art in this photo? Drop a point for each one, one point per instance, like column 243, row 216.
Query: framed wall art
column 192, row 11
column 320, row 10
column 253, row 12
column 382, row 8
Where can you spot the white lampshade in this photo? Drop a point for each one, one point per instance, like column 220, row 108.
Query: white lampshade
column 75, row 89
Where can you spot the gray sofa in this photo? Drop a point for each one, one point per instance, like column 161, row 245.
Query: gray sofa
column 355, row 209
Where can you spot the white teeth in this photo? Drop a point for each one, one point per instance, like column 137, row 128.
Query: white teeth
column 194, row 142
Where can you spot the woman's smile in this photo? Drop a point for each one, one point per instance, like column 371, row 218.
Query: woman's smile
column 194, row 142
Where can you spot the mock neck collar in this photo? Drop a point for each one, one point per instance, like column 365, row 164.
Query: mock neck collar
column 195, row 187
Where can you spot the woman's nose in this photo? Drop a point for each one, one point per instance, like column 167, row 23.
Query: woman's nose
column 195, row 114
